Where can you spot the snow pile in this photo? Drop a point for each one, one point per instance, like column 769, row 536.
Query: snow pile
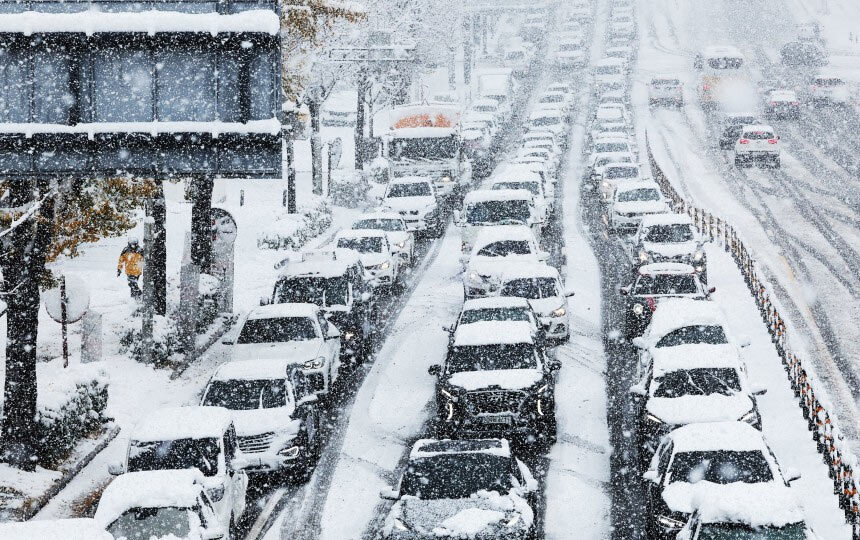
column 67, row 529
column 468, row 523
column 508, row 379
column 293, row 231
column 757, row 505
column 149, row 489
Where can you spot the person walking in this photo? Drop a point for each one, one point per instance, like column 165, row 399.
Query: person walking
column 131, row 260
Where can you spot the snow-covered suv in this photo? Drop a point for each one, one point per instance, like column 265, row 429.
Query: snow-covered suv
column 394, row 226
column 496, row 381
column 631, row 202
column 379, row 256
column 541, row 285
column 757, row 143
column 462, row 489
column 415, row 199
column 669, row 238
column 666, row 89
column 496, row 249
column 828, row 90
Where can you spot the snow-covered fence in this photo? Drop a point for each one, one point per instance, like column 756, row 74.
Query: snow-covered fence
column 812, row 399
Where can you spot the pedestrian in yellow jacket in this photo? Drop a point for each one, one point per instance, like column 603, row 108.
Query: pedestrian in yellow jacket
column 131, row 260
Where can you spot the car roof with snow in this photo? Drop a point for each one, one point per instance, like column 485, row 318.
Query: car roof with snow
column 319, row 263
column 485, row 195
column 425, row 448
column 524, row 270
column 760, row 504
column 694, row 356
column 721, row 50
column 411, row 180
column 188, row 422
column 67, row 529
column 674, row 313
column 268, row 370
column 378, row 214
column 495, row 302
column 546, row 113
column 665, row 268
column 610, row 61
column 652, row 220
column 500, row 233
column 286, row 309
column 757, row 127
column 639, row 184
column 149, row 489
column 485, row 101
column 361, row 233
column 493, row 333
column 710, row 436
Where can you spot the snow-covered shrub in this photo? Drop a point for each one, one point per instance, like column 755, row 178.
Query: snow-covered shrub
column 207, row 301
column 379, row 170
column 165, row 340
column 348, row 188
column 292, row 231
column 71, row 404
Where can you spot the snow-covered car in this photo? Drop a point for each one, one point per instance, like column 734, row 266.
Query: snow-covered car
column 298, row 333
column 688, row 384
column 669, row 238
column 67, row 529
column 611, row 112
column 498, row 308
column 339, row 110
column 483, row 208
column 550, row 100
column 379, row 255
column 454, row 489
column 757, row 143
column 496, row 381
column 335, row 281
column 477, row 142
column 625, row 52
column 740, row 510
column 733, row 124
column 632, row 201
column 487, row 106
column 654, row 283
column 395, row 227
column 517, row 58
column 798, row 53
column 197, row 438
column 160, row 504
column 606, row 127
column 532, row 183
column 541, row 285
column 615, row 174
column 276, row 413
column 827, row 90
column 698, row 456
column 555, row 152
column 606, row 147
column 782, row 104
column 598, row 163
column 570, row 54
column 666, row 90
column 487, row 120
column 560, row 86
column 415, row 199
column 622, row 25
column 609, row 74
column 619, row 97
column 553, row 120
column 495, row 250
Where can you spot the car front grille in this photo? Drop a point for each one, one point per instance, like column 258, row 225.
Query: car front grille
column 254, row 444
column 317, row 381
column 495, row 401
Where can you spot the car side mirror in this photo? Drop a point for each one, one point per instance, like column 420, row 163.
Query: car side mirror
column 435, row 370
column 624, row 291
column 265, row 300
column 744, row 342
column 213, row 533
column 650, row 476
column 116, row 469
column 227, row 341
column 553, row 364
column 389, row 494
column 640, row 342
column 712, row 290
column 792, row 475
column 758, row 390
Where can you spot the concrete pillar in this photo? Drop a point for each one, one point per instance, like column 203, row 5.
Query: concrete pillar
column 91, row 337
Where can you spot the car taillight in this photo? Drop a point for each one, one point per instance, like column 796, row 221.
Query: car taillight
column 814, row 88
column 773, row 103
column 706, row 87
column 795, row 103
column 744, row 141
column 771, row 141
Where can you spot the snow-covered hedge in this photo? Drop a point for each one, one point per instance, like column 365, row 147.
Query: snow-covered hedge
column 292, row 231
column 348, row 188
column 71, row 404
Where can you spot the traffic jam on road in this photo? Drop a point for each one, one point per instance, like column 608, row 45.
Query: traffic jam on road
column 417, row 376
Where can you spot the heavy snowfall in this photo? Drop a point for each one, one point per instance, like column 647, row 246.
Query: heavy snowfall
column 422, row 269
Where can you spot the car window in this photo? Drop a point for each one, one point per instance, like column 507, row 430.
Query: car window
column 758, row 135
column 382, row 224
column 665, row 284
column 175, row 454
column 492, row 357
column 641, row 194
column 546, row 121
column 613, row 173
column 504, row 248
column 470, row 316
column 277, row 330
column 242, row 394
column 604, row 147
column 456, row 476
column 531, row 288
column 532, row 187
column 688, row 335
column 366, row 244
column 500, row 212
column 698, row 382
column 315, row 290
column 721, row 467
column 669, row 234
column 146, row 523
column 737, row 531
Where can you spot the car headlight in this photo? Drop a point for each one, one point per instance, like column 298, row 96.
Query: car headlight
column 514, row 520
column 348, row 335
column 559, row 312
column 654, row 419
column 669, row 522
column 289, row 452
column 605, row 184
column 445, row 179
column 315, row 363
column 643, row 256
column 699, row 256
column 638, row 309
column 750, row 417
column 401, row 244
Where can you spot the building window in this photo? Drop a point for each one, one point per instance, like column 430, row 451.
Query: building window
column 122, row 86
column 186, row 85
column 14, row 97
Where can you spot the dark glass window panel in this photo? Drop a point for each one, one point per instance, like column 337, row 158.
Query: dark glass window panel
column 52, row 98
column 186, row 86
column 261, row 88
column 14, row 106
column 122, row 89
column 229, row 106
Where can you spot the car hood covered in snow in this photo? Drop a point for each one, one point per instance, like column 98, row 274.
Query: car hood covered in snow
column 481, row 516
column 671, row 250
column 545, row 306
column 300, row 351
column 639, row 207
column 689, row 409
column 496, row 266
column 400, row 204
column 508, row 379
column 259, row 421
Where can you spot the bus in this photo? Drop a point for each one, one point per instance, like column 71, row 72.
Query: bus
column 722, row 76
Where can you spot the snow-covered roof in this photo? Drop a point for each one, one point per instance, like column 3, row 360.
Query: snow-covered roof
column 493, row 333
column 28, row 129
column 719, row 51
column 266, row 370
column 674, row 313
column 611, row 61
column 666, row 268
column 67, row 529
column 758, row 127
column 529, row 270
column 149, row 489
column 320, row 263
column 495, row 302
column 422, row 132
column 760, row 504
column 511, row 170
column 488, row 235
column 737, row 436
column 289, row 309
column 666, row 219
column 173, row 423
column 641, row 184
column 361, row 233
column 546, row 113
column 425, row 448
column 694, row 356
column 485, row 195
column 377, row 215
column 149, row 22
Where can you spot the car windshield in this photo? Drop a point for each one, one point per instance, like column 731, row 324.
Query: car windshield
column 533, row 187
column 531, row 288
column 736, row 531
column 604, row 147
column 546, row 121
column 492, row 357
column 504, row 248
column 665, row 82
column 362, row 244
column 641, row 194
column 669, row 234
column 698, row 382
column 456, row 476
column 689, row 335
column 498, row 212
column 495, row 314
column 607, row 70
column 552, row 99
column 829, row 82
column 414, row 189
column 568, row 47
column 432, row 148
column 728, row 62
column 758, row 135
column 604, row 160
column 382, row 224
column 175, row 454
column 515, row 55
column 277, row 330
column 656, row 284
column 485, row 108
column 613, row 173
column 323, row 292
column 246, row 395
column 151, row 523
column 721, row 467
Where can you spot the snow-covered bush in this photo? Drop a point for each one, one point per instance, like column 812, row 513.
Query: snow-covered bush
column 207, row 301
column 71, row 404
column 379, row 170
column 348, row 188
column 292, row 231
column 165, row 340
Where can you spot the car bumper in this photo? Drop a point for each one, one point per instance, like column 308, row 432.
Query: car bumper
column 381, row 278
column 475, row 290
column 625, row 222
column 750, row 157
column 555, row 327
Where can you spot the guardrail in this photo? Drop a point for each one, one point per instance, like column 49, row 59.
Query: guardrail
column 833, row 448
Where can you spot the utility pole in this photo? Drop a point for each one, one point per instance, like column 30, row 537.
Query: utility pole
column 360, row 117
column 314, row 98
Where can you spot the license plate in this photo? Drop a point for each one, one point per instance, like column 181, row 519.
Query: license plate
column 496, row 419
